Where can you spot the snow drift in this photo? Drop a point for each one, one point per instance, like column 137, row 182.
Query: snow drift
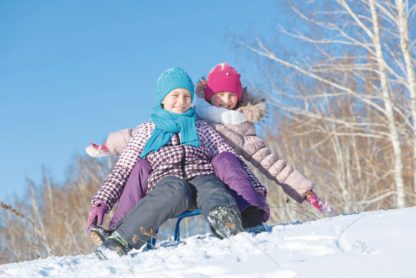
column 372, row 244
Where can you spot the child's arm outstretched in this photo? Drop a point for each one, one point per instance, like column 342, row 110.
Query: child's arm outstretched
column 115, row 144
column 243, row 138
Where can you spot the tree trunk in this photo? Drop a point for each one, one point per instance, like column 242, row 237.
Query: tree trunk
column 403, row 24
column 388, row 104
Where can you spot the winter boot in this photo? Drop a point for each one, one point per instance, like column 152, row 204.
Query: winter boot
column 251, row 217
column 252, row 222
column 225, row 222
column 99, row 235
column 114, row 247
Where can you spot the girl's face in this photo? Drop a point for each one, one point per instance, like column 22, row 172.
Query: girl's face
column 177, row 101
column 224, row 99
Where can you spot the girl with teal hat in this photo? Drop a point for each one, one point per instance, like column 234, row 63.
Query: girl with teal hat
column 174, row 113
column 232, row 112
column 179, row 149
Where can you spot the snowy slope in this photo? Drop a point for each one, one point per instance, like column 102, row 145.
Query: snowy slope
column 374, row 244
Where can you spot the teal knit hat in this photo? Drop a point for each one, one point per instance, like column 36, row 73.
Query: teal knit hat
column 171, row 79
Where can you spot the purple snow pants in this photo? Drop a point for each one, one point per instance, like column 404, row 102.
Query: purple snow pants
column 228, row 168
column 133, row 192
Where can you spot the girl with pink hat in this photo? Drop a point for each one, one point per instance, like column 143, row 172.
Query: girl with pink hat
column 232, row 111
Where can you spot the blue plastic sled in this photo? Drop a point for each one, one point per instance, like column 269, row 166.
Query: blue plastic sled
column 177, row 233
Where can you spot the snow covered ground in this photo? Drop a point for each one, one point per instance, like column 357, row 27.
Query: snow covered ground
column 373, row 244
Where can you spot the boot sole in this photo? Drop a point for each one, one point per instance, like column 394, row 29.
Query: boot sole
column 225, row 225
column 96, row 238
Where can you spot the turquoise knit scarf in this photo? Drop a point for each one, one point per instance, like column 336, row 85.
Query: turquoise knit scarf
column 169, row 123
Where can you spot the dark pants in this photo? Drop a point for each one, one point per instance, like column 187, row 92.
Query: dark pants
column 170, row 197
column 228, row 168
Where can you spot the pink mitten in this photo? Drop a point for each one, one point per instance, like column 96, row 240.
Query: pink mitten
column 321, row 206
column 96, row 215
column 95, row 150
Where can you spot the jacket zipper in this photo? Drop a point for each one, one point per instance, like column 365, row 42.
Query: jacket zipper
column 183, row 158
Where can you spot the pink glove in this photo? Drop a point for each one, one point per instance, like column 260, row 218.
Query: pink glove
column 96, row 215
column 95, row 150
column 321, row 206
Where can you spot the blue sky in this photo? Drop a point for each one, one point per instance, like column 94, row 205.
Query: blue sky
column 72, row 71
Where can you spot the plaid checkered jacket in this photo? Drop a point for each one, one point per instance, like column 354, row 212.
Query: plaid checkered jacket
column 173, row 159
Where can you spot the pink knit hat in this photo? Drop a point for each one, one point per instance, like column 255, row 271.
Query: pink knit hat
column 223, row 78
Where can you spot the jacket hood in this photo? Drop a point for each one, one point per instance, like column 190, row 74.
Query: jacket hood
column 252, row 107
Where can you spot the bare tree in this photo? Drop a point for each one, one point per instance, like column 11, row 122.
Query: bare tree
column 362, row 54
column 403, row 14
column 52, row 221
